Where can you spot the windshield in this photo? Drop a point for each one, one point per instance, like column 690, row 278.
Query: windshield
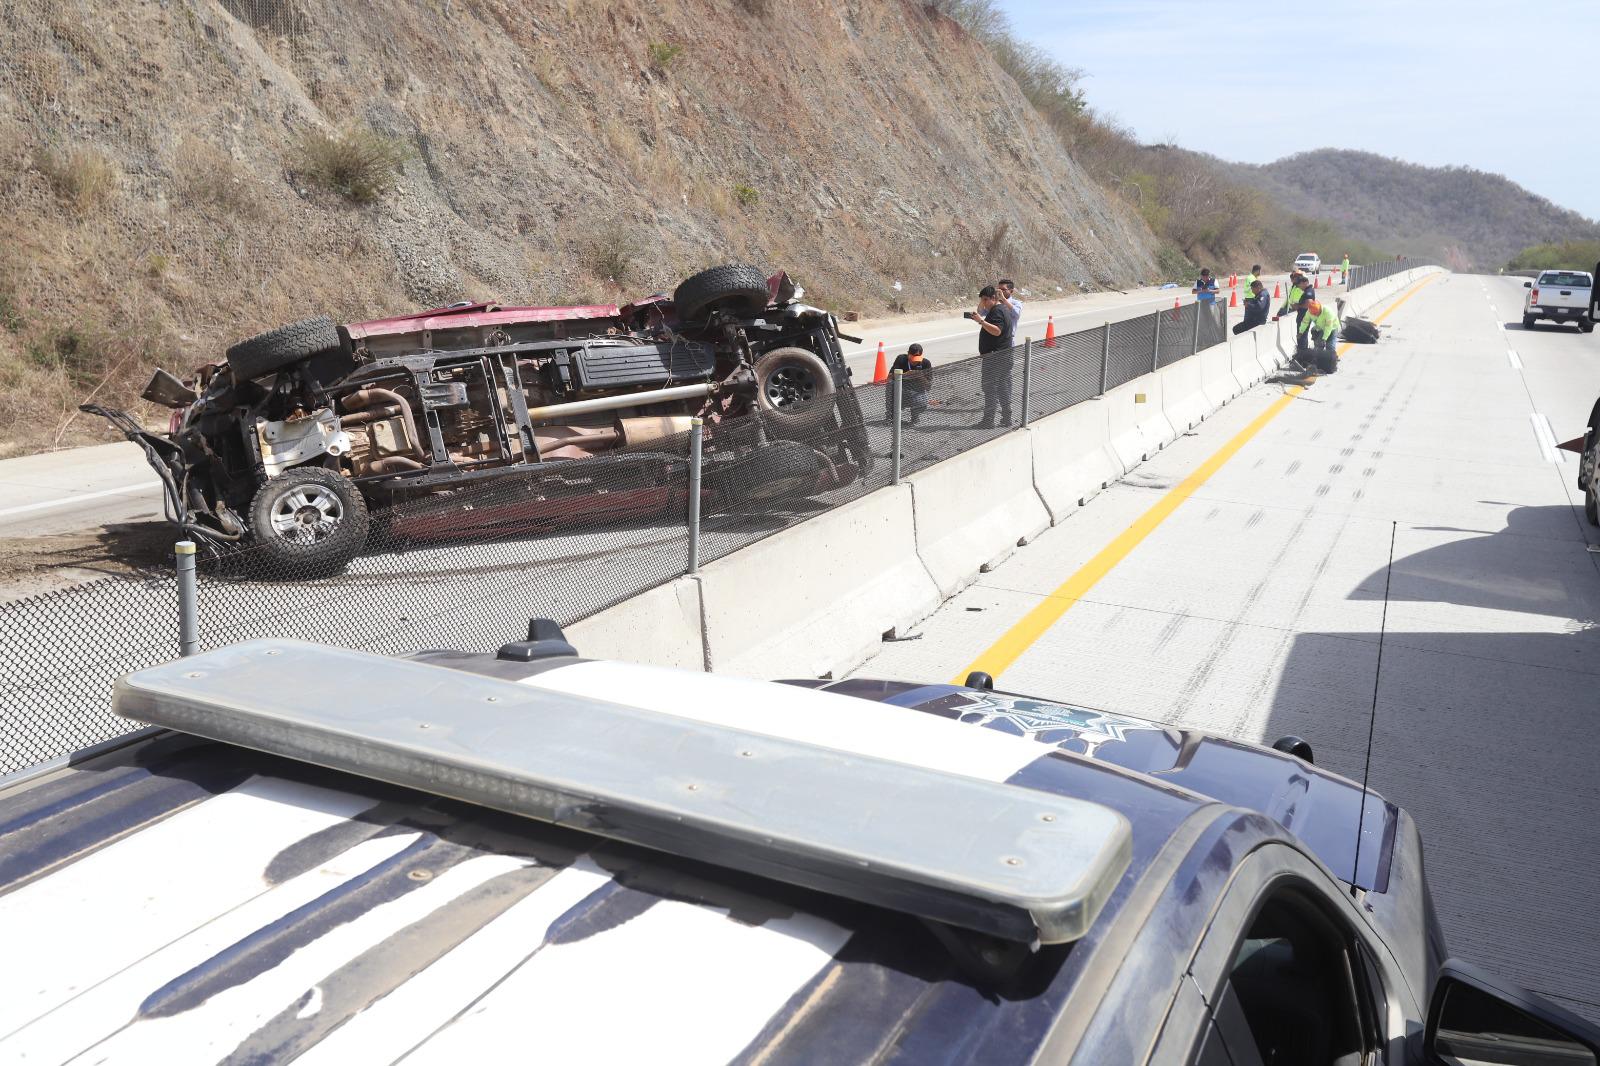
column 1572, row 278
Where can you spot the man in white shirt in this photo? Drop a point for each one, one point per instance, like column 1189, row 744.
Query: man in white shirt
column 1009, row 302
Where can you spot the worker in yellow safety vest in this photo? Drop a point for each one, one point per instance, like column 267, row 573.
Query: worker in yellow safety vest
column 1344, row 268
column 1250, row 279
column 1299, row 290
column 1321, row 323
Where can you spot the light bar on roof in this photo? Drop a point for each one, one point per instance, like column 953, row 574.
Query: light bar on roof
column 1012, row 862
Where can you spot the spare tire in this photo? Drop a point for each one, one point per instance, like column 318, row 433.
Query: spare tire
column 740, row 290
column 270, row 352
column 794, row 388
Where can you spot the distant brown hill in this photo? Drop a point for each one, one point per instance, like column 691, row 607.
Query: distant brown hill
column 1468, row 218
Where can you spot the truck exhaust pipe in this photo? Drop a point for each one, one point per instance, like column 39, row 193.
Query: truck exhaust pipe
column 614, row 403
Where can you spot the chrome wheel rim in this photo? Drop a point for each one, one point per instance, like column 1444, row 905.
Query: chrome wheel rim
column 306, row 514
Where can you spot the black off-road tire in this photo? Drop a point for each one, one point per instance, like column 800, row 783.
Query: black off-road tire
column 739, row 290
column 269, row 352
column 307, row 522
column 1527, row 321
column 1589, row 472
column 794, row 390
column 780, row 470
column 1586, row 326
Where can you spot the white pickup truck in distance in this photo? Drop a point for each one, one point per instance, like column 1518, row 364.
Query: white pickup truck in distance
column 1559, row 296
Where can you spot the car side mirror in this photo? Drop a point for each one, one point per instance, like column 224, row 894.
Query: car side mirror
column 1478, row 1020
column 1527, row 284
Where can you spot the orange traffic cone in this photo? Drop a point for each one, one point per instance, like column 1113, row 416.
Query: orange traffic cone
column 1275, row 292
column 1233, row 298
column 1050, row 332
column 1233, row 281
column 880, row 373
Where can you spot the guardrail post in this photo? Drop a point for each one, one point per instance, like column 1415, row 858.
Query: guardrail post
column 1027, row 376
column 1194, row 347
column 1105, row 356
column 696, row 438
column 188, row 600
column 897, row 397
column 1155, row 354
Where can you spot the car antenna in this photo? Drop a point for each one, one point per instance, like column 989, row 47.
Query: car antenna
column 1372, row 719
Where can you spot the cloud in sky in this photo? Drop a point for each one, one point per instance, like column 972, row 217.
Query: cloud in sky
column 1489, row 84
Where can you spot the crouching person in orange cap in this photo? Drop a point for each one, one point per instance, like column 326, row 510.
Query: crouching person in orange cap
column 917, row 377
column 1321, row 324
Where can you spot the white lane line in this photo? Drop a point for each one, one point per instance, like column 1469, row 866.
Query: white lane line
column 65, row 501
column 1515, row 360
column 1546, row 438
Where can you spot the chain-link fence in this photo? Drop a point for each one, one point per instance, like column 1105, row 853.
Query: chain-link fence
column 1363, row 275
column 466, row 567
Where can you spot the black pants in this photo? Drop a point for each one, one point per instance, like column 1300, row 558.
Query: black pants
column 996, row 384
column 913, row 400
column 1325, row 351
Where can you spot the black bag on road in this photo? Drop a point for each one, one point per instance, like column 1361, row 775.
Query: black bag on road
column 1359, row 331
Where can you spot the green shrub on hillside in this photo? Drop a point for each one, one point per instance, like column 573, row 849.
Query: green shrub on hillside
column 82, row 177
column 1568, row 255
column 662, row 54
column 358, row 163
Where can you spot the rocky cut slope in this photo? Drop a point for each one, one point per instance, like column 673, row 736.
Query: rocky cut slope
column 171, row 170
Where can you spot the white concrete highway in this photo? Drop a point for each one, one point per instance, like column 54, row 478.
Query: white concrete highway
column 1255, row 608
column 77, row 488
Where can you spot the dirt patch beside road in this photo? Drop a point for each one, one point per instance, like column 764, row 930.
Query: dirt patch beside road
column 33, row 565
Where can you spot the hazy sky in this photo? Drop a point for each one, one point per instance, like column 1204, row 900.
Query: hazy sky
column 1490, row 84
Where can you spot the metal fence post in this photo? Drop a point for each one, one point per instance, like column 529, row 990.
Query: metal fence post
column 1155, row 356
column 188, row 600
column 1027, row 376
column 1194, row 347
column 696, row 436
column 1105, row 356
column 897, row 395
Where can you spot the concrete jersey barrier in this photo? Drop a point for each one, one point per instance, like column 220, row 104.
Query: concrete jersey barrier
column 975, row 508
column 819, row 596
column 1138, row 426
column 1072, row 457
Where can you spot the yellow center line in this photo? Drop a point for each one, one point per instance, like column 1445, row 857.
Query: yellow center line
column 1021, row 636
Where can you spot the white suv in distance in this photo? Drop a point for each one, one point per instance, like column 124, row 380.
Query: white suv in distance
column 1308, row 262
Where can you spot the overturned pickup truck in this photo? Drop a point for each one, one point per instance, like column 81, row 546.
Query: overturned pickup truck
column 287, row 444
